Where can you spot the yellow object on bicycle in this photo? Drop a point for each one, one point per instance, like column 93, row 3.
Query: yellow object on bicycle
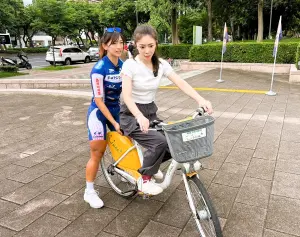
column 118, row 145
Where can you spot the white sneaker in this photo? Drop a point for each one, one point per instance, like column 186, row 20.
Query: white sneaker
column 159, row 175
column 92, row 198
column 148, row 187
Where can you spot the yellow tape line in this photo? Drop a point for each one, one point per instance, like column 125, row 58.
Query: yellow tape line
column 218, row 89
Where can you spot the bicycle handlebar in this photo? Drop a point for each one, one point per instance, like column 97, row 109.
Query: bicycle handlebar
column 153, row 124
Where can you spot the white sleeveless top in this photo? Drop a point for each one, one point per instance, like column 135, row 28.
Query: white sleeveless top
column 144, row 84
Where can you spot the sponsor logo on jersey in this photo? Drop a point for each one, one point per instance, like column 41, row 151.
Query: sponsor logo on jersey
column 98, row 86
column 113, row 78
column 97, row 135
column 111, row 70
column 111, row 86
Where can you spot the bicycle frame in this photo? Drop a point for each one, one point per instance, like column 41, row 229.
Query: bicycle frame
column 174, row 165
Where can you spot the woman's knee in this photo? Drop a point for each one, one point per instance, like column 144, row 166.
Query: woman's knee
column 97, row 150
column 97, row 153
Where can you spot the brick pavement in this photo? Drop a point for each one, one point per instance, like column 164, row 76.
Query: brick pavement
column 253, row 176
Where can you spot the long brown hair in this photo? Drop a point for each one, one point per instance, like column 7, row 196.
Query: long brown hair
column 141, row 31
column 113, row 37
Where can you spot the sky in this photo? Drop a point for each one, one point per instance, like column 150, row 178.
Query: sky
column 26, row 2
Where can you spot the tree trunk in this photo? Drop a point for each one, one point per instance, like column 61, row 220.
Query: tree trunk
column 239, row 32
column 30, row 36
column 88, row 37
column 53, row 43
column 19, row 38
column 232, row 28
column 174, row 26
column 25, row 40
column 209, row 13
column 260, row 32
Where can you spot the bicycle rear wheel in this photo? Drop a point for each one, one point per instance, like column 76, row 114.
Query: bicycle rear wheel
column 117, row 182
column 206, row 216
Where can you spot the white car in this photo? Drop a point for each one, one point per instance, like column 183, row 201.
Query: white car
column 66, row 55
column 94, row 53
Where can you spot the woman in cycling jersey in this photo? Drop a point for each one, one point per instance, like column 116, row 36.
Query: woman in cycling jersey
column 140, row 81
column 105, row 105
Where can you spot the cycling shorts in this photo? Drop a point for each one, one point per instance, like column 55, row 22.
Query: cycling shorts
column 97, row 122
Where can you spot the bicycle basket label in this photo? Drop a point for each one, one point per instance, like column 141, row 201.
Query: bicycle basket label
column 193, row 135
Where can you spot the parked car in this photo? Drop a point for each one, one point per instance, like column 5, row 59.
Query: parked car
column 94, row 53
column 67, row 55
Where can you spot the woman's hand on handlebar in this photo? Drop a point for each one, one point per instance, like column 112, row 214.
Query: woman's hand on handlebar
column 143, row 122
column 207, row 106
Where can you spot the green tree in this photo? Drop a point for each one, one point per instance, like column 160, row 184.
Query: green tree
column 29, row 16
column 188, row 20
column 51, row 18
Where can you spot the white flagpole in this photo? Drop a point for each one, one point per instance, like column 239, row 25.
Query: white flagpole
column 224, row 34
column 220, row 79
column 270, row 92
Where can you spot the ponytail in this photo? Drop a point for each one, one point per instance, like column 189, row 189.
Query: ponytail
column 155, row 63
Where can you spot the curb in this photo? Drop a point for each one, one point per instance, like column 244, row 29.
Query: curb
column 43, row 83
column 67, row 83
column 65, row 93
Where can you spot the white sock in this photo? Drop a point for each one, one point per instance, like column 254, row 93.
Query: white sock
column 90, row 185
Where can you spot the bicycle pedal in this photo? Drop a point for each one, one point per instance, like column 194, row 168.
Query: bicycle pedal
column 144, row 195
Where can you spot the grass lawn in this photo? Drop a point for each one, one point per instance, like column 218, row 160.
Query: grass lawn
column 11, row 74
column 57, row 68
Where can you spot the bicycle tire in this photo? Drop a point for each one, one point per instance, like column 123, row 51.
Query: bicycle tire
column 125, row 189
column 214, row 228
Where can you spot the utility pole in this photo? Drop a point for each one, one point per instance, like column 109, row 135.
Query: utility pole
column 136, row 14
column 270, row 36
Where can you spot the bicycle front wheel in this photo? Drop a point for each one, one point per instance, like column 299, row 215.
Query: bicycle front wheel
column 206, row 217
column 118, row 183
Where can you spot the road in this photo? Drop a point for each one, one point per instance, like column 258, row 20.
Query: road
column 37, row 60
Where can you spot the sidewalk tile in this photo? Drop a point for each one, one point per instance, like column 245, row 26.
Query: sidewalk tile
column 284, row 215
column 35, row 171
column 7, row 186
column 31, row 211
column 245, row 220
column 6, row 232
column 6, row 207
column 70, row 185
column 46, row 226
column 33, row 189
column 272, row 233
column 90, row 223
column 261, row 169
column 223, row 198
column 240, row 156
column 230, row 174
column 286, row 184
column 254, row 192
column 180, row 214
column 159, row 230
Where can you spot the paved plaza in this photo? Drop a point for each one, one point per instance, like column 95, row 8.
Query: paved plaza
column 253, row 177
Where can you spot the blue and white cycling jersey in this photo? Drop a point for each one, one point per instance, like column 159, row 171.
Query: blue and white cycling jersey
column 106, row 82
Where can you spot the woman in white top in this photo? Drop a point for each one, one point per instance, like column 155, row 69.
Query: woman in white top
column 140, row 80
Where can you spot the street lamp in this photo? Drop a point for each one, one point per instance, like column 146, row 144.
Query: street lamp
column 270, row 36
column 136, row 14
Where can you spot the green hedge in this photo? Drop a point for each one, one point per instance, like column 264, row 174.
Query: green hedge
column 8, row 69
column 244, row 52
column 180, row 51
column 25, row 50
column 297, row 59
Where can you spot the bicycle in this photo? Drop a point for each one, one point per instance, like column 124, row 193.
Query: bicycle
column 124, row 157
